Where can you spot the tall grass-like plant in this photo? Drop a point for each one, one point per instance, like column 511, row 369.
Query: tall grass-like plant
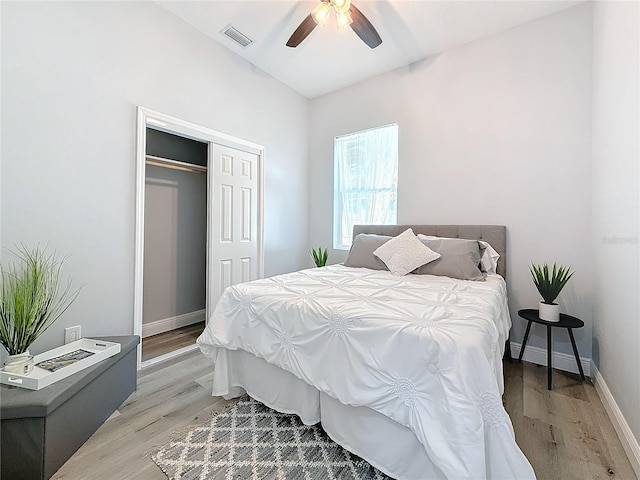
column 550, row 280
column 320, row 256
column 31, row 297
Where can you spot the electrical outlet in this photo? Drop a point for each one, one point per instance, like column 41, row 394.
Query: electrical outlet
column 72, row 334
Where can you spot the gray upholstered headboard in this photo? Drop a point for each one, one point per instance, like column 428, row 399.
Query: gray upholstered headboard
column 496, row 235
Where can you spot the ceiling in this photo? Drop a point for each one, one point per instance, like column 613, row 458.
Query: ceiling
column 330, row 59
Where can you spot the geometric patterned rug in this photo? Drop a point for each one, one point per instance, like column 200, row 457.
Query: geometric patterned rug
column 251, row 441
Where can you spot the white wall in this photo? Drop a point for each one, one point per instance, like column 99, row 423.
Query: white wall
column 72, row 76
column 616, row 203
column 494, row 132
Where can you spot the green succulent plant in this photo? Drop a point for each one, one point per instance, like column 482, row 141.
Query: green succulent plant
column 31, row 298
column 550, row 280
column 319, row 256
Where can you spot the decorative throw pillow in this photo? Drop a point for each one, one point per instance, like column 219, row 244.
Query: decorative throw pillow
column 459, row 258
column 361, row 252
column 405, row 253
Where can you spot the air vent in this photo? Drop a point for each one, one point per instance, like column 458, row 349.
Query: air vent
column 237, row 36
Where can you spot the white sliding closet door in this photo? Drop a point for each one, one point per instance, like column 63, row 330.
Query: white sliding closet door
column 234, row 236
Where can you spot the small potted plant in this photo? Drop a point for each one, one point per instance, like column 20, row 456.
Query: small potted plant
column 31, row 299
column 550, row 281
column 319, row 256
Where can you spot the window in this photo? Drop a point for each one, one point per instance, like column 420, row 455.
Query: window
column 365, row 181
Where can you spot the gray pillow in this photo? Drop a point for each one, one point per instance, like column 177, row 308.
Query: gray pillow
column 459, row 258
column 361, row 252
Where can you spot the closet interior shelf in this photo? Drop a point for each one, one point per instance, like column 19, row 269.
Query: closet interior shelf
column 174, row 164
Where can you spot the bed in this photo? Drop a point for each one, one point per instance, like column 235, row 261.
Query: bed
column 405, row 372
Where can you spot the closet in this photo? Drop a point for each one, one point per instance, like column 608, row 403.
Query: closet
column 175, row 240
column 198, row 229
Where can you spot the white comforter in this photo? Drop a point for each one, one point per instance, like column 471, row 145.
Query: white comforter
column 423, row 350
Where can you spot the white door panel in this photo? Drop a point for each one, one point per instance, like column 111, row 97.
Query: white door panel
column 233, row 246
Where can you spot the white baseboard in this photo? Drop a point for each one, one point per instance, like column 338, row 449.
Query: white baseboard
column 560, row 361
column 171, row 323
column 628, row 440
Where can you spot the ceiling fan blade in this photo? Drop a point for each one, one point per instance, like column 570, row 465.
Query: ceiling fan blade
column 303, row 30
column 363, row 28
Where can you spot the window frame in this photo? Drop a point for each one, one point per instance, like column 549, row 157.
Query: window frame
column 339, row 233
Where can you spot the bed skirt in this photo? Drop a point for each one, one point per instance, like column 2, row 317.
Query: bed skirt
column 385, row 444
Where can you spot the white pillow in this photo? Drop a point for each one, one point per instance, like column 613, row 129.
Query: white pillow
column 489, row 258
column 405, row 253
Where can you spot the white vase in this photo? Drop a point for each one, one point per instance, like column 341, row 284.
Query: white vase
column 21, row 364
column 549, row 311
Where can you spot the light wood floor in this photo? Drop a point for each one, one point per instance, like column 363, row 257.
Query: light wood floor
column 565, row 433
column 167, row 399
column 166, row 342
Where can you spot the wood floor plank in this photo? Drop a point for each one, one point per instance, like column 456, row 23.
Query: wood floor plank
column 166, row 342
column 548, row 406
column 603, row 440
column 565, row 433
column 589, row 448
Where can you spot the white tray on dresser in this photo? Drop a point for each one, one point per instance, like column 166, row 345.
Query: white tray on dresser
column 40, row 378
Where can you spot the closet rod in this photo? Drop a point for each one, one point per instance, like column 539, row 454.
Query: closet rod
column 174, row 164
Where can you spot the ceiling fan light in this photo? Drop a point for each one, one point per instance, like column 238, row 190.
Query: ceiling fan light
column 343, row 19
column 341, row 6
column 320, row 14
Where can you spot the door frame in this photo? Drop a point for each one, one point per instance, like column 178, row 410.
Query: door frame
column 166, row 123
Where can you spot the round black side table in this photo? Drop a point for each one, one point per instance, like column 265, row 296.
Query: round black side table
column 566, row 321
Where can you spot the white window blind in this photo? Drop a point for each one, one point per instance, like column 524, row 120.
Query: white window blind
column 365, row 181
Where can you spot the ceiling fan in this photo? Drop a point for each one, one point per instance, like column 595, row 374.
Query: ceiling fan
column 346, row 14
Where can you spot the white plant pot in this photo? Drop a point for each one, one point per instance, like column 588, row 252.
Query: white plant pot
column 549, row 311
column 21, row 364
